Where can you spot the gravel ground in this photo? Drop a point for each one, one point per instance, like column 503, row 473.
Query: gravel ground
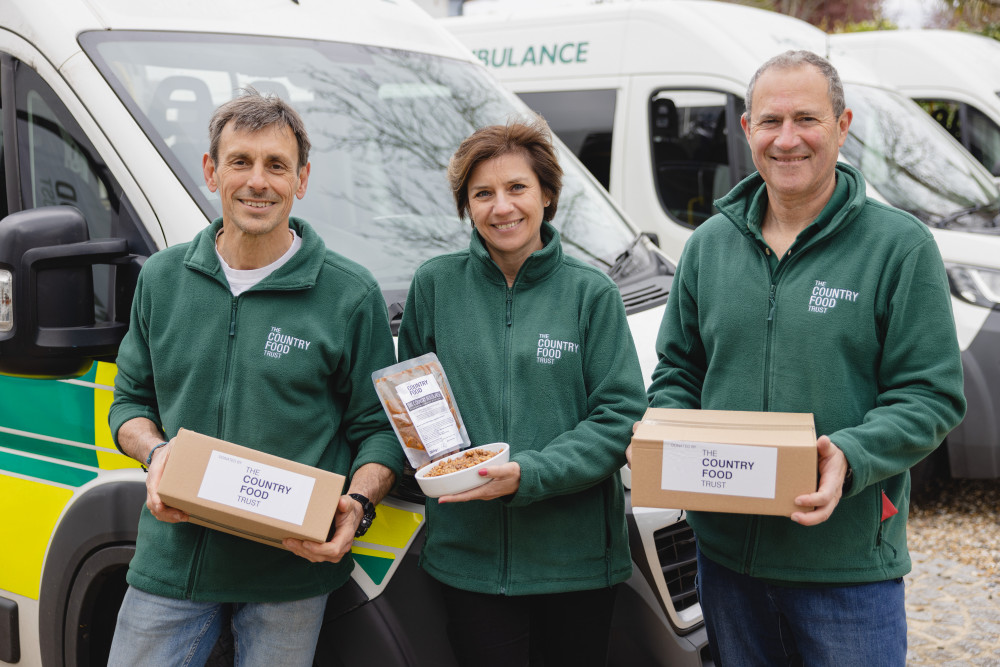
column 953, row 592
column 958, row 519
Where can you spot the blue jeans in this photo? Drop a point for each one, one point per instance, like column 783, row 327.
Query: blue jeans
column 161, row 631
column 753, row 623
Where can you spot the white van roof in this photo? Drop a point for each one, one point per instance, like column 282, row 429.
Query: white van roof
column 731, row 41
column 740, row 38
column 915, row 59
column 53, row 25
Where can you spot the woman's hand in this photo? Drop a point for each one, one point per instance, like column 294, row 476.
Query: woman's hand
column 505, row 480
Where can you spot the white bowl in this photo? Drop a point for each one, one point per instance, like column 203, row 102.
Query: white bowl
column 461, row 480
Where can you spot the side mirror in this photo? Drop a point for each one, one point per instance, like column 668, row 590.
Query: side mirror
column 47, row 322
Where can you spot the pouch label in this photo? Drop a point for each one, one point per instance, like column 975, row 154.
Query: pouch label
column 430, row 414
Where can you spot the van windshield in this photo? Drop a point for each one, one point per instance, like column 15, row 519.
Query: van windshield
column 383, row 124
column 916, row 166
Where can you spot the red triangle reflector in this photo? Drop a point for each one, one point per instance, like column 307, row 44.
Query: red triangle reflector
column 888, row 509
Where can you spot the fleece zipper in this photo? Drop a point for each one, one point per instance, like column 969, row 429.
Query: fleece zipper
column 774, row 278
column 505, row 398
column 199, row 550
column 505, row 427
column 230, row 351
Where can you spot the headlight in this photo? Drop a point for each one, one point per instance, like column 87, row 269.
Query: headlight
column 974, row 284
column 6, row 301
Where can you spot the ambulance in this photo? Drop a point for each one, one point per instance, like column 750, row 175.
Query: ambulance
column 104, row 109
column 649, row 96
column 952, row 75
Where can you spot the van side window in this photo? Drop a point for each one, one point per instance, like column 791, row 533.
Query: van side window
column 58, row 165
column 689, row 133
column 970, row 126
column 584, row 120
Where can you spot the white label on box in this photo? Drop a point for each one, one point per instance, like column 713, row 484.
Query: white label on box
column 430, row 414
column 731, row 470
column 256, row 487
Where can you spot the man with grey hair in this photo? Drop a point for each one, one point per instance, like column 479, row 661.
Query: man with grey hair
column 253, row 332
column 802, row 295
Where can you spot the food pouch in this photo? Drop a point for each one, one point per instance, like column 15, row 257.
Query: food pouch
column 421, row 408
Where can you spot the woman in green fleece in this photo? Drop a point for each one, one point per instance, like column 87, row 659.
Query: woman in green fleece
column 539, row 355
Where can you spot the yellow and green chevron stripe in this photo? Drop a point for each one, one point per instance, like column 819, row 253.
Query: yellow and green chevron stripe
column 54, row 438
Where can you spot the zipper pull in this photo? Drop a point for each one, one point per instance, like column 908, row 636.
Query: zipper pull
column 232, row 320
column 770, row 299
column 510, row 299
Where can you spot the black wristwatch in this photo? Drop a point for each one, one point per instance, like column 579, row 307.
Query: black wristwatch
column 369, row 510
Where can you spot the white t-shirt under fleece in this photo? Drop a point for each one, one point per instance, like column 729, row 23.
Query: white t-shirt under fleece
column 241, row 280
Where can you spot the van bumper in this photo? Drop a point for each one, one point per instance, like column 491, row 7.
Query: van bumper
column 974, row 445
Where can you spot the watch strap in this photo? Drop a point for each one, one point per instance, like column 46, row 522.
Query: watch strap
column 369, row 514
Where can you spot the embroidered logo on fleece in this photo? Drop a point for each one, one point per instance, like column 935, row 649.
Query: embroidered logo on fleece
column 279, row 344
column 824, row 298
column 550, row 350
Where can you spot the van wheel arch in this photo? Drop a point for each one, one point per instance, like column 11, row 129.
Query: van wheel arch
column 83, row 579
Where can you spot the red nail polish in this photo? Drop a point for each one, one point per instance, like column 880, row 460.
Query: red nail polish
column 482, row 473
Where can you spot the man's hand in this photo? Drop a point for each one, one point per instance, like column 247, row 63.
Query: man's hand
column 138, row 437
column 373, row 481
column 832, row 471
column 628, row 455
column 346, row 521
column 156, row 507
column 505, row 479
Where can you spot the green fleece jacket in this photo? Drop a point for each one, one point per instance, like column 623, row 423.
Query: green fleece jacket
column 547, row 365
column 853, row 325
column 284, row 368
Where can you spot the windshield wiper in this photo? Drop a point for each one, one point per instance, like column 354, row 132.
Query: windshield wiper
column 621, row 261
column 946, row 221
column 568, row 241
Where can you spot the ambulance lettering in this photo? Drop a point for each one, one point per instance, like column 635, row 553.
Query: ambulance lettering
column 534, row 55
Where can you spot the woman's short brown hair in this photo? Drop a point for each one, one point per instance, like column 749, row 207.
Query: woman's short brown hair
column 533, row 139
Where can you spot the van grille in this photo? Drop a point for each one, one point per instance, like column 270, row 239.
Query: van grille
column 675, row 548
column 645, row 295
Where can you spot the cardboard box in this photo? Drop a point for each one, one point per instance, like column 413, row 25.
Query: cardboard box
column 723, row 461
column 248, row 493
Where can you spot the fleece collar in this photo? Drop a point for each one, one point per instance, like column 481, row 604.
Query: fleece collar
column 300, row 272
column 746, row 203
column 537, row 267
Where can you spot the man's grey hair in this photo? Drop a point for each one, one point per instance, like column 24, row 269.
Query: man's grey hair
column 791, row 59
column 253, row 112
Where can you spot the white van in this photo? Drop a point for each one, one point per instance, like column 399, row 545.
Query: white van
column 649, row 96
column 953, row 75
column 104, row 109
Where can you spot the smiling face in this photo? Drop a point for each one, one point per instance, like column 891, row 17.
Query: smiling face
column 257, row 178
column 506, row 203
column 794, row 136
